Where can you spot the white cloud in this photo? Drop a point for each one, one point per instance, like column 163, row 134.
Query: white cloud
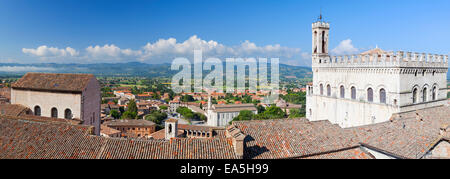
column 345, row 47
column 165, row 50
column 44, row 51
column 24, row 69
column 168, row 49
column 110, row 51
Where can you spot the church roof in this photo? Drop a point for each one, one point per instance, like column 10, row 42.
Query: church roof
column 409, row 135
column 292, row 138
column 233, row 107
column 25, row 139
column 53, row 82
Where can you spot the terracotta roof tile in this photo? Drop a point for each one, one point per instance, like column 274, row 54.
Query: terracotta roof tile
column 53, row 82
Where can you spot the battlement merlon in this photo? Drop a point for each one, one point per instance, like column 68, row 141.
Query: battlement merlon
column 321, row 24
column 389, row 59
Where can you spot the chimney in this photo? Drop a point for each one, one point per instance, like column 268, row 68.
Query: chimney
column 171, row 128
column 444, row 131
column 237, row 138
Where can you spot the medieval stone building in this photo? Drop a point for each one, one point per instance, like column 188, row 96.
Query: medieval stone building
column 67, row 96
column 367, row 88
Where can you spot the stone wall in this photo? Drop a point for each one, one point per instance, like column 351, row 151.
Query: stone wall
column 48, row 100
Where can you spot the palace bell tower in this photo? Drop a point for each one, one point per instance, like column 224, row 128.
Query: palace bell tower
column 320, row 31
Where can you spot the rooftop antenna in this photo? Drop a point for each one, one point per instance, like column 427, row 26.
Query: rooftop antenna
column 320, row 16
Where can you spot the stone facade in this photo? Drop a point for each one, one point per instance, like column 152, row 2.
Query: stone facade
column 222, row 115
column 367, row 88
column 130, row 128
column 66, row 96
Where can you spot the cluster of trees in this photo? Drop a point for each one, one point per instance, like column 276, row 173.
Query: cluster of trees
column 187, row 98
column 131, row 112
column 188, row 114
column 272, row 112
column 157, row 117
column 296, row 98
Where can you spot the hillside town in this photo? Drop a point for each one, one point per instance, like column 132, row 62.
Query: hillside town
column 398, row 111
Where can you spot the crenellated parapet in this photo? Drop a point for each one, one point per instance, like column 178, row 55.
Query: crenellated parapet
column 388, row 59
column 320, row 24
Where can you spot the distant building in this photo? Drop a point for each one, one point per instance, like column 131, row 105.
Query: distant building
column 60, row 96
column 173, row 105
column 286, row 107
column 109, row 132
column 221, row 115
column 132, row 128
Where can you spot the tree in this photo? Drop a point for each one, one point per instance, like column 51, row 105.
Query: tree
column 131, row 112
column 295, row 113
column 244, row 115
column 129, row 115
column 163, row 107
column 187, row 98
column 272, row 112
column 199, row 116
column 115, row 114
column 260, row 109
column 132, row 106
column 156, row 116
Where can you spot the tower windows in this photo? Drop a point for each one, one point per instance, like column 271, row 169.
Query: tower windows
column 434, row 93
column 54, row 113
column 321, row 89
column 315, row 41
column 323, row 42
column 414, row 95
column 37, row 111
column 370, row 95
column 424, row 95
column 353, row 91
column 382, row 96
column 342, row 91
column 328, row 90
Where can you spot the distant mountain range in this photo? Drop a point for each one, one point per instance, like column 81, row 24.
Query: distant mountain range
column 127, row 69
column 124, row 69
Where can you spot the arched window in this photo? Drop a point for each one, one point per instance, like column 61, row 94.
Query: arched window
column 328, row 90
column 170, row 128
column 342, row 90
column 382, row 95
column 54, row 113
column 370, row 95
column 434, row 93
column 68, row 114
column 315, row 41
column 323, row 41
column 414, row 95
column 321, row 89
column 37, row 111
column 353, row 89
column 424, row 95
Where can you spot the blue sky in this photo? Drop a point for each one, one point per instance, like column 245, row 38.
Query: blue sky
column 93, row 31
